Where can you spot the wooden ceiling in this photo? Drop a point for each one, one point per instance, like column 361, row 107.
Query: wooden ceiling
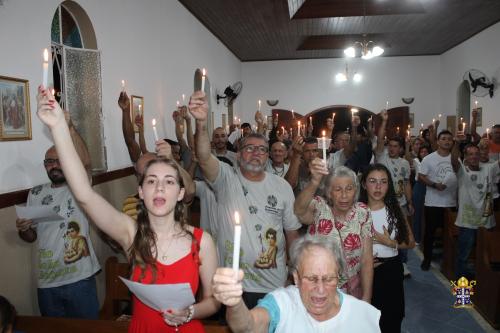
column 256, row 30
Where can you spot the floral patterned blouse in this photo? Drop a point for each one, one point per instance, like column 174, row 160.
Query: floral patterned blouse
column 350, row 235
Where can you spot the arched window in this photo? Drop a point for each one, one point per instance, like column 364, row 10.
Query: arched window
column 76, row 67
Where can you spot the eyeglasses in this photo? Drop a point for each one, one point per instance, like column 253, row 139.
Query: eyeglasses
column 373, row 181
column 50, row 161
column 326, row 280
column 261, row 150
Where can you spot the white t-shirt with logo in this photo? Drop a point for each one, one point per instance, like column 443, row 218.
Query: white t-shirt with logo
column 65, row 254
column 473, row 189
column 400, row 173
column 438, row 169
column 266, row 211
column 380, row 221
column 278, row 171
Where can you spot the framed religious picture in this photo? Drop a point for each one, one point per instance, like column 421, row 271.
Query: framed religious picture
column 412, row 120
column 479, row 120
column 137, row 111
column 15, row 119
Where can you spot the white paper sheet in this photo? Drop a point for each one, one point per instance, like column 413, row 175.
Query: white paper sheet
column 38, row 213
column 176, row 296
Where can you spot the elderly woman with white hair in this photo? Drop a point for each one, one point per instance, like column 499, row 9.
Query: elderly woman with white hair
column 342, row 220
column 312, row 304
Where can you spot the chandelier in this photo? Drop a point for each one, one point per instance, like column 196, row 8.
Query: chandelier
column 344, row 76
column 368, row 47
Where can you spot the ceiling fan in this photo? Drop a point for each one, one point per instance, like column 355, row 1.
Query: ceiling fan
column 230, row 93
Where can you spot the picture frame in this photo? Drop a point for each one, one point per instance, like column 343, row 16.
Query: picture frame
column 412, row 120
column 15, row 113
column 479, row 119
column 136, row 111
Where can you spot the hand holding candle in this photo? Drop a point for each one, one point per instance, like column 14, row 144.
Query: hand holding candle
column 236, row 244
column 324, row 144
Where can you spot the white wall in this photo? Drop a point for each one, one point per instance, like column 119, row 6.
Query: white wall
column 481, row 52
column 306, row 85
column 154, row 47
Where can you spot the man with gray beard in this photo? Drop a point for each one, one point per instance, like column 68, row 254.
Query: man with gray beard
column 263, row 200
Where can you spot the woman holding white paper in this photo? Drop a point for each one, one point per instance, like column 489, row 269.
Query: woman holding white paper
column 160, row 247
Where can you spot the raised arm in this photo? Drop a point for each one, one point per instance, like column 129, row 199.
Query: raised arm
column 292, row 175
column 228, row 290
column 302, row 206
column 189, row 127
column 473, row 127
column 134, row 151
column 198, row 108
column 142, row 142
column 381, row 133
column 179, row 131
column 117, row 225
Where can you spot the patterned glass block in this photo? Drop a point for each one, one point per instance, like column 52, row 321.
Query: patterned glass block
column 70, row 32
column 54, row 31
column 84, row 102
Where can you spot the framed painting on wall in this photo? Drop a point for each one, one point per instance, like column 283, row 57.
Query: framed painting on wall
column 479, row 119
column 412, row 120
column 15, row 119
column 137, row 111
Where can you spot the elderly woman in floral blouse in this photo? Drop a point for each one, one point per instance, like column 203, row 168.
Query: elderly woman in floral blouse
column 340, row 218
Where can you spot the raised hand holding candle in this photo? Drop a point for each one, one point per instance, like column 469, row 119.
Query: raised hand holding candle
column 45, row 74
column 324, row 143
column 236, row 244
column 204, row 73
column 153, row 122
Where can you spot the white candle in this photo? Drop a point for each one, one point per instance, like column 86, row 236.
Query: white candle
column 408, row 133
column 154, row 129
column 282, row 129
column 422, row 125
column 397, row 130
column 45, row 76
column 259, row 104
column 204, row 73
column 475, row 102
column 387, row 105
column 433, row 121
column 293, row 115
column 178, row 103
column 236, row 244
column 123, row 85
column 183, row 98
column 463, row 127
column 323, row 146
column 298, row 127
column 333, row 116
column 140, row 109
column 311, row 120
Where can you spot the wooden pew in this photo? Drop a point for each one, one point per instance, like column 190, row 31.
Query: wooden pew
column 450, row 234
column 32, row 324
column 487, row 291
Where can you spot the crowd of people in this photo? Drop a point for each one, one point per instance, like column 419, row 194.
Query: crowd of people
column 322, row 242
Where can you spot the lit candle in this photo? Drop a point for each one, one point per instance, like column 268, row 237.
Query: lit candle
column 154, row 129
column 282, row 129
column 439, row 116
column 475, row 102
column 123, row 85
column 204, row 73
column 461, row 119
column 311, row 120
column 298, row 127
column 387, row 105
column 259, row 104
column 293, row 115
column 53, row 91
column 236, row 244
column 178, row 103
column 397, row 129
column 183, row 98
column 408, row 133
column 408, row 125
column 488, row 132
column 140, row 109
column 422, row 125
column 45, row 76
column 333, row 116
column 433, row 121
column 463, row 127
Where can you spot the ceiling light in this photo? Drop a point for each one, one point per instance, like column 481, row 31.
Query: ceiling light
column 344, row 76
column 341, row 77
column 350, row 52
column 357, row 77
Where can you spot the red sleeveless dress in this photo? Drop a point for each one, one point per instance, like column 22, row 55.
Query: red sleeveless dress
column 148, row 320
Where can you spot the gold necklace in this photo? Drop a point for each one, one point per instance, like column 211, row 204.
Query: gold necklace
column 164, row 256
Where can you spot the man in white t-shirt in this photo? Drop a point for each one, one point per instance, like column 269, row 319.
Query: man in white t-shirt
column 67, row 263
column 475, row 201
column 313, row 304
column 276, row 163
column 437, row 174
column 263, row 200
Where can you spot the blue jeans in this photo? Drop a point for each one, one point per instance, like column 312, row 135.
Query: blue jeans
column 419, row 190
column 74, row 300
column 466, row 239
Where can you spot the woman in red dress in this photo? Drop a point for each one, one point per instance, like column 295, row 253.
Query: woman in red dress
column 161, row 248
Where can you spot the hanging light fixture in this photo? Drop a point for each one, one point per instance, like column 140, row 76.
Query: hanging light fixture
column 368, row 47
column 345, row 76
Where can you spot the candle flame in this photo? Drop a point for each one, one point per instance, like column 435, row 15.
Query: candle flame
column 45, row 55
column 354, row 110
column 236, row 218
column 178, row 103
column 183, row 97
column 123, row 83
column 323, row 133
column 153, row 122
column 204, row 72
column 439, row 115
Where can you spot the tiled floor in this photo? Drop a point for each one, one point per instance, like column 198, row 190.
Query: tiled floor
column 429, row 304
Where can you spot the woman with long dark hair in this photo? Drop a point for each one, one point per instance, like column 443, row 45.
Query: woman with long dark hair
column 391, row 232
column 160, row 247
